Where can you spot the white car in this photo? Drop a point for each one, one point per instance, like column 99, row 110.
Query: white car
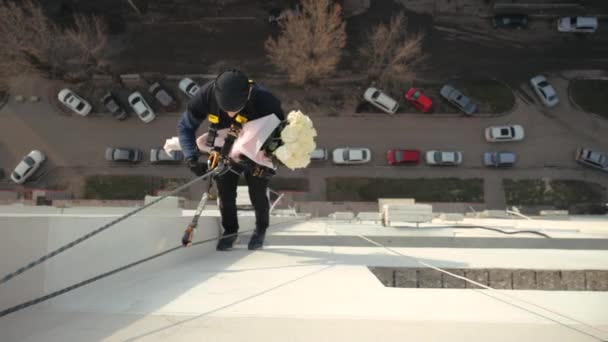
column 141, row 108
column 319, row 154
column 592, row 158
column 27, row 166
column 504, row 133
column 544, row 90
column 74, row 102
column 188, row 87
column 351, row 155
column 577, row 24
column 381, row 100
column 443, row 158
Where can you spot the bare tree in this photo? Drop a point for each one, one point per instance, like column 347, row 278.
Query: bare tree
column 392, row 53
column 32, row 43
column 89, row 35
column 311, row 41
column 28, row 33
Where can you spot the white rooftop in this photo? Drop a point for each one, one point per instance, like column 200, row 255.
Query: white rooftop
column 297, row 289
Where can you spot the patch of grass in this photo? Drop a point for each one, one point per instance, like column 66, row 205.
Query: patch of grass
column 422, row 189
column 126, row 187
column 496, row 96
column 590, row 95
column 579, row 197
column 289, row 184
column 524, row 191
column 566, row 193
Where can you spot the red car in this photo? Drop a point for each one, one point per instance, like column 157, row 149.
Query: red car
column 396, row 156
column 419, row 100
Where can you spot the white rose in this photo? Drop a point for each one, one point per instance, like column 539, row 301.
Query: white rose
column 289, row 134
column 308, row 146
column 282, row 153
column 294, row 116
column 298, row 141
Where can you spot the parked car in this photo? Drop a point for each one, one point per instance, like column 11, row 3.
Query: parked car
column 111, row 104
column 499, row 159
column 591, row 158
column 160, row 156
column 319, row 154
column 544, row 90
column 518, row 21
column 504, row 133
column 398, row 156
column 161, row 94
column 74, row 102
column 443, row 158
column 577, row 24
column 188, row 87
column 27, row 166
column 141, row 107
column 419, row 100
column 124, row 154
column 352, row 155
column 459, row 100
column 381, row 100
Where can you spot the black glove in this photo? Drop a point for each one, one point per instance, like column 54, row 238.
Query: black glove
column 197, row 168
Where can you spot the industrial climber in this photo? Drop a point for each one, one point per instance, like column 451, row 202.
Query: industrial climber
column 228, row 102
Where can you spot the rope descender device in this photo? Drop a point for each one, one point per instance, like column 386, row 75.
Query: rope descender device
column 189, row 232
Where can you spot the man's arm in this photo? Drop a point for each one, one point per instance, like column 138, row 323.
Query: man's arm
column 191, row 120
column 186, row 129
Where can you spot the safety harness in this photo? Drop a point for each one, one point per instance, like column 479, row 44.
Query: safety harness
column 221, row 155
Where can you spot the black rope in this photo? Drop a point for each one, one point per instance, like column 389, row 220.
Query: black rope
column 504, row 231
column 114, row 271
column 100, row 229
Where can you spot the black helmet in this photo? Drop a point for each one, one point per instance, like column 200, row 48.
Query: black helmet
column 231, row 90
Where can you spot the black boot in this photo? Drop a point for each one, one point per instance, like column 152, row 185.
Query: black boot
column 257, row 240
column 226, row 243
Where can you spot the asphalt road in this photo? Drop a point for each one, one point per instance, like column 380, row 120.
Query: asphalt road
column 456, row 46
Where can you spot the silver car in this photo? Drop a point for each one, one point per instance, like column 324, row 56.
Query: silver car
column 351, row 155
column 499, row 159
column 160, row 156
column 124, row 154
column 161, row 95
column 443, row 158
column 544, row 90
column 319, row 154
column 455, row 97
column 594, row 159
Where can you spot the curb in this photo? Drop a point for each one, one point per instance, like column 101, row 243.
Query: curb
column 179, row 77
column 130, row 77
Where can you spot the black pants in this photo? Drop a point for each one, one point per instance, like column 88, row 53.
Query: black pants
column 258, row 186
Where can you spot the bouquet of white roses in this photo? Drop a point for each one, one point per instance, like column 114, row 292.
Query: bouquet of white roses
column 296, row 141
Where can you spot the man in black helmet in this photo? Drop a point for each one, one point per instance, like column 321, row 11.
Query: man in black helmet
column 231, row 97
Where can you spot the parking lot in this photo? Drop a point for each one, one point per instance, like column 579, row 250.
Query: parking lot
column 461, row 52
column 75, row 145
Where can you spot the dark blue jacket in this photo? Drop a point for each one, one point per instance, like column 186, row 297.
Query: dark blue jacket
column 261, row 103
